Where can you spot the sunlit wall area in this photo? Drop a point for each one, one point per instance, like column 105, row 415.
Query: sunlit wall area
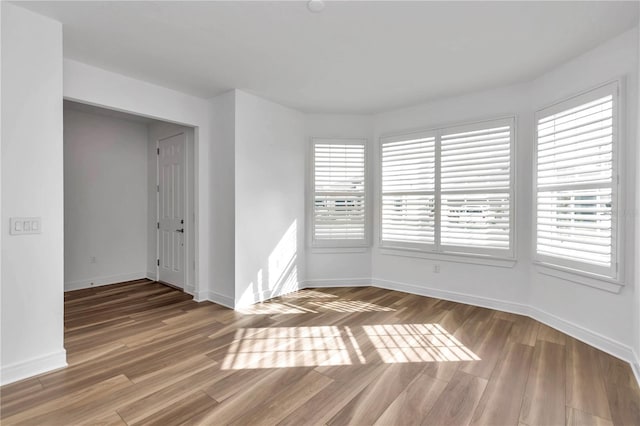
column 269, row 199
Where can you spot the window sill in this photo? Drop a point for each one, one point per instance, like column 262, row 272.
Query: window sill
column 474, row 259
column 579, row 277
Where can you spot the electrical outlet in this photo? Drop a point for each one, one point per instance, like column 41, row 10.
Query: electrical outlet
column 436, row 268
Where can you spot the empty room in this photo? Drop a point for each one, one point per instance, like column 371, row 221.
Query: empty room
column 320, row 212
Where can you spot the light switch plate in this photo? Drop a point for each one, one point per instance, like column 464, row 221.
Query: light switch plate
column 25, row 225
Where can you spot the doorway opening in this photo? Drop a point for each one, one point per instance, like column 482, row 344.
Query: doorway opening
column 129, row 199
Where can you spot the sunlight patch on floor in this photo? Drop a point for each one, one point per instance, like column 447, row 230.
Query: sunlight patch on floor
column 274, row 308
column 287, row 347
column 351, row 306
column 398, row 343
column 310, row 294
column 283, row 347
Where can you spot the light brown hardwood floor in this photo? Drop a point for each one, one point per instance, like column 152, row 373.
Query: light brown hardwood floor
column 143, row 353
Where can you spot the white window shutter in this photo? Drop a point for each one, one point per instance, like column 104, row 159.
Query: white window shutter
column 339, row 210
column 408, row 190
column 450, row 190
column 476, row 186
column 575, row 221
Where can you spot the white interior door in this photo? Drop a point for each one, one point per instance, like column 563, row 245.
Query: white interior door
column 171, row 210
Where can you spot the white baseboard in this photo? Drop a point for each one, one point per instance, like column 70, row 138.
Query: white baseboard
column 484, row 302
column 151, row 275
column 31, row 367
column 635, row 366
column 214, row 297
column 264, row 295
column 341, row 282
column 254, row 298
column 99, row 281
column 201, row 296
column 597, row 340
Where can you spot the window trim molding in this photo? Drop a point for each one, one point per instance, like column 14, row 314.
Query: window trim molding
column 336, row 246
column 574, row 271
column 454, row 257
column 437, row 249
column 577, row 276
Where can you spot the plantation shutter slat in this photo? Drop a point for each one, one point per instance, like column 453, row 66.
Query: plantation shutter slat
column 575, row 182
column 408, row 186
column 475, row 188
column 339, row 191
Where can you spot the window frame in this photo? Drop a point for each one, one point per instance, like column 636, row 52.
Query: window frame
column 558, row 266
column 451, row 250
column 336, row 245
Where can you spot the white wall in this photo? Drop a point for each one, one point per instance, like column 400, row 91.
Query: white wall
column 269, row 199
column 105, row 196
column 32, row 173
column 223, row 115
column 326, row 267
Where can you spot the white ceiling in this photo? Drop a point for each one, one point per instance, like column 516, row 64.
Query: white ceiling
column 355, row 56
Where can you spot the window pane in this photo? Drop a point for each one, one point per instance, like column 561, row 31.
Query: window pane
column 408, row 218
column 476, row 220
column 408, row 184
column 576, row 225
column 577, row 146
column 339, row 200
column 479, row 159
column 473, row 162
column 408, row 166
column 575, row 184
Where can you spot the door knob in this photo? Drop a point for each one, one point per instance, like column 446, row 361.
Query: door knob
column 180, row 230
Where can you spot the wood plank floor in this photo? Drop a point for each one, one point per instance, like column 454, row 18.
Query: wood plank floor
column 143, row 353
